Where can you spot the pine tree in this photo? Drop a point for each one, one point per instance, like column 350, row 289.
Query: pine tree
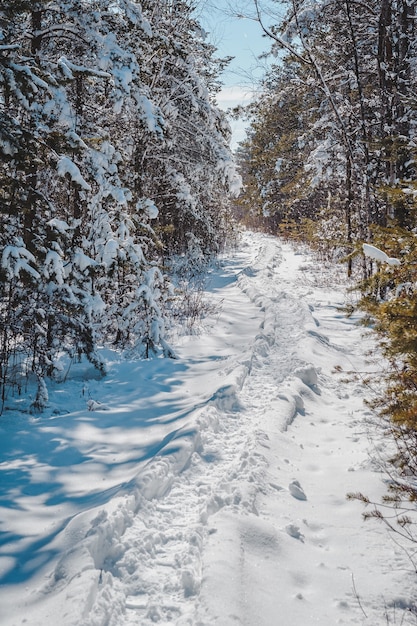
column 193, row 165
column 108, row 126
column 360, row 128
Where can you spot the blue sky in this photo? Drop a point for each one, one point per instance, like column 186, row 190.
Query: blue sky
column 241, row 38
column 234, row 36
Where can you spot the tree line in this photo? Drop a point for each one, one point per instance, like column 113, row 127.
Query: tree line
column 115, row 160
column 330, row 158
column 332, row 136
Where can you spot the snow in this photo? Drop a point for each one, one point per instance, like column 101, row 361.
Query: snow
column 16, row 259
column 147, row 206
column 210, row 489
column 148, row 113
column 7, row 147
column 82, row 261
column 66, row 166
column 59, row 225
column 379, row 255
column 53, row 267
column 68, row 68
column 110, row 252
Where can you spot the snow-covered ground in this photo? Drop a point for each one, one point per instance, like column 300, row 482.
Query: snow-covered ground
column 209, row 489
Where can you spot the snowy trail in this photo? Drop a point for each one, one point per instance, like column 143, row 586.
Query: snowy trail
column 212, row 489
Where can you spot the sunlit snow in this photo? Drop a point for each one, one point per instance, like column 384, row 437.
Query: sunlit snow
column 379, row 255
column 210, row 489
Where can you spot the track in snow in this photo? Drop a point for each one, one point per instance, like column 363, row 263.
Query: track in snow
column 226, row 501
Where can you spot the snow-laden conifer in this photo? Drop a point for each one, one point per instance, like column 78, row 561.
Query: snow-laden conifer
column 110, row 140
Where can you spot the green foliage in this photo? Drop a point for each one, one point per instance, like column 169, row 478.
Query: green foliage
column 337, row 115
column 271, row 161
column 390, row 304
column 389, row 299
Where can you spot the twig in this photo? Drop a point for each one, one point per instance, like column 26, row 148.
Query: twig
column 357, row 597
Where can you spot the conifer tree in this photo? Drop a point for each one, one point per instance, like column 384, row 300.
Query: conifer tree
column 359, row 131
column 189, row 174
column 359, row 61
column 108, row 126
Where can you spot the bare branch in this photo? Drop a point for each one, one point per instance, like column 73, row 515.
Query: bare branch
column 277, row 39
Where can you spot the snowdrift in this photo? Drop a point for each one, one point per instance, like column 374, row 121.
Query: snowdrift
column 210, row 489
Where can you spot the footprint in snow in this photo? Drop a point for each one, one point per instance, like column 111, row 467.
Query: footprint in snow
column 297, row 491
column 92, row 405
column 295, row 532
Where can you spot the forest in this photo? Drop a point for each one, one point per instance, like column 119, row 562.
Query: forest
column 116, row 167
column 330, row 159
column 119, row 192
column 118, row 184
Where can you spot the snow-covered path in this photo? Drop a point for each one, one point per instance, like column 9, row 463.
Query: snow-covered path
column 211, row 489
